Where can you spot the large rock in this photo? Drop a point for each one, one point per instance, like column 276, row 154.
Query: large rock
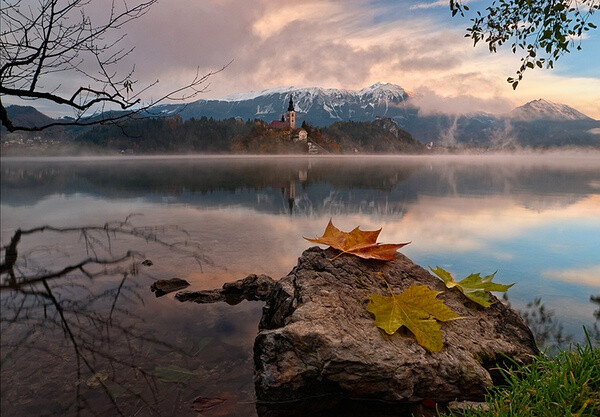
column 316, row 337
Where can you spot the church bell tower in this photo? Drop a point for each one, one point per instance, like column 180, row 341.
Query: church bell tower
column 291, row 114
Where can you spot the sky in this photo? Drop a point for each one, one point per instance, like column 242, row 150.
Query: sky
column 348, row 44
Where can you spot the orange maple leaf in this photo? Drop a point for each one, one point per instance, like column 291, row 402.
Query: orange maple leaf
column 361, row 243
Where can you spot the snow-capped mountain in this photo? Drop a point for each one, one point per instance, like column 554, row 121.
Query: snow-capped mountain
column 304, row 98
column 319, row 106
column 546, row 110
column 537, row 123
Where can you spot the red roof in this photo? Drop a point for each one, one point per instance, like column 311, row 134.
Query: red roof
column 278, row 124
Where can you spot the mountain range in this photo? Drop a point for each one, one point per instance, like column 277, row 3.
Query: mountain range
column 539, row 123
column 318, row 106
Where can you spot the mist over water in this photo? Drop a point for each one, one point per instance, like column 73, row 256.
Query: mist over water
column 535, row 218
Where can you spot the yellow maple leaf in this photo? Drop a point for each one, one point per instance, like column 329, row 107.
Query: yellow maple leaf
column 418, row 309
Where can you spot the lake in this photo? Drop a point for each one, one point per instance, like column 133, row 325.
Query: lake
column 99, row 342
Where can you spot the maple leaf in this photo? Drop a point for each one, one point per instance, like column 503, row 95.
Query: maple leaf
column 474, row 287
column 362, row 243
column 418, row 309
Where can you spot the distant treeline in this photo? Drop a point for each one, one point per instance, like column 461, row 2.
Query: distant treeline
column 165, row 135
column 207, row 135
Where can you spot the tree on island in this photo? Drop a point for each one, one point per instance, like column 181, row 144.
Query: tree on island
column 62, row 36
column 542, row 31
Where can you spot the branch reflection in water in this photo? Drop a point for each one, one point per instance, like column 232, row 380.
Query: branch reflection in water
column 85, row 292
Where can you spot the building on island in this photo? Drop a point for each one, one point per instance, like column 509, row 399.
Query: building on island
column 288, row 121
column 302, row 135
column 291, row 114
column 287, row 126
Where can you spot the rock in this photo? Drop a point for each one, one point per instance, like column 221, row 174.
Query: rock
column 252, row 288
column 164, row 286
column 317, row 338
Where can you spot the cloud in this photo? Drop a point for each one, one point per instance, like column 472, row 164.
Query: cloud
column 430, row 5
column 332, row 43
column 435, row 4
column 589, row 276
column 278, row 16
column 323, row 43
column 429, row 102
column 339, row 44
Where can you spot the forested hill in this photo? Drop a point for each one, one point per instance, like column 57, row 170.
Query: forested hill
column 207, row 135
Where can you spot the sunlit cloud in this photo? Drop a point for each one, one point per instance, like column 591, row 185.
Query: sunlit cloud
column 431, row 4
column 429, row 102
column 278, row 16
column 339, row 44
column 583, row 276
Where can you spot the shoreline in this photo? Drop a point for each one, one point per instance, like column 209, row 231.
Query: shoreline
column 528, row 156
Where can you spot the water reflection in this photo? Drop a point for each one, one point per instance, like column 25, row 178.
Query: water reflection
column 536, row 220
column 78, row 339
column 308, row 186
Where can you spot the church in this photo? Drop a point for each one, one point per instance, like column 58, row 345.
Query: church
column 288, row 121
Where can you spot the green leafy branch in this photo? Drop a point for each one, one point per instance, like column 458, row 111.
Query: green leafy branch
column 542, row 30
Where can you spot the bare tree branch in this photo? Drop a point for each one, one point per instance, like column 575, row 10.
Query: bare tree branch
column 93, row 237
column 59, row 36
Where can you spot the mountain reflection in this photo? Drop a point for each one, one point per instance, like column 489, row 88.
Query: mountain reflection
column 296, row 185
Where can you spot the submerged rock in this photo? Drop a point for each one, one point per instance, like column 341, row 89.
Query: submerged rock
column 316, row 337
column 252, row 288
column 164, row 286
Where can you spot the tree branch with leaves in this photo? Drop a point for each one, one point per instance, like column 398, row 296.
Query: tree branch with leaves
column 540, row 31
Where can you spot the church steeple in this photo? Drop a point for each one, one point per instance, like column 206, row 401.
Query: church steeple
column 291, row 114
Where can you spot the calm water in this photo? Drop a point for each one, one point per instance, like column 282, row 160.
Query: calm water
column 104, row 345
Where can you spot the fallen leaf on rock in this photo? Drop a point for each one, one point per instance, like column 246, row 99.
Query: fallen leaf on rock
column 474, row 287
column 361, row 243
column 418, row 309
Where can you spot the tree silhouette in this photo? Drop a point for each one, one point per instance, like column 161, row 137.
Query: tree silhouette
column 42, row 39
